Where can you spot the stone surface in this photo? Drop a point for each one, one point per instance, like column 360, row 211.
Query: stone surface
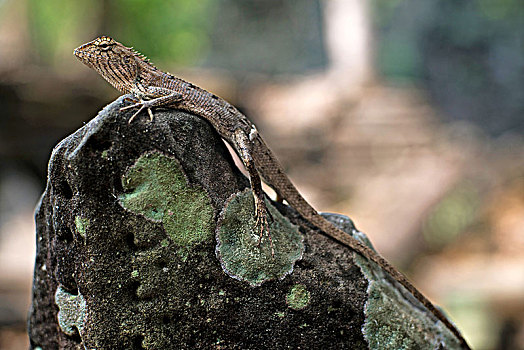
column 127, row 256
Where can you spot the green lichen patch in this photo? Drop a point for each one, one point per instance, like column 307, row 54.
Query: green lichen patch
column 238, row 248
column 393, row 322
column 298, row 297
column 157, row 188
column 81, row 225
column 72, row 311
column 393, row 319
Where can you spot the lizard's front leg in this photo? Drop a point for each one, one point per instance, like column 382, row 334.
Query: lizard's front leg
column 242, row 145
column 155, row 97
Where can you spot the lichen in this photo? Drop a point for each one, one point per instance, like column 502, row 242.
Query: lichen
column 81, row 225
column 72, row 311
column 298, row 297
column 393, row 319
column 156, row 187
column 240, row 251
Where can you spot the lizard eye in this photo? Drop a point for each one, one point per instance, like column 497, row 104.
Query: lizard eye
column 104, row 46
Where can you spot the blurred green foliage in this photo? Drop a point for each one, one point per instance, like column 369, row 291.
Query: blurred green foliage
column 174, row 31
column 56, row 26
column 403, row 26
column 468, row 54
column 452, row 215
column 268, row 36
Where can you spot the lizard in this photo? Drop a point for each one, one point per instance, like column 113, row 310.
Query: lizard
column 131, row 72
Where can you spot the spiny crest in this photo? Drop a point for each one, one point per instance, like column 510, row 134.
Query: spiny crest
column 140, row 55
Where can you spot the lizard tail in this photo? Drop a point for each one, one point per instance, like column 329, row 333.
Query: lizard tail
column 271, row 171
column 369, row 253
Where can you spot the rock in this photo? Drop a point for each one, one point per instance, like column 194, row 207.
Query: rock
column 145, row 241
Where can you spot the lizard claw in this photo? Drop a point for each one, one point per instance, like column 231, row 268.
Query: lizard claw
column 136, row 113
column 262, row 225
column 142, row 105
column 150, row 114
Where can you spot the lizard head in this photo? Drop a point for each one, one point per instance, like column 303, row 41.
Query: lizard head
column 116, row 63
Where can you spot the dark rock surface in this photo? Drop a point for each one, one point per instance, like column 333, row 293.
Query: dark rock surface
column 127, row 256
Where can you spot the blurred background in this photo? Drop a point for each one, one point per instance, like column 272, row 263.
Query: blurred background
column 406, row 115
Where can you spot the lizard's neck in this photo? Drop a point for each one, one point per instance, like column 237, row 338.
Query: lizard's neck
column 149, row 75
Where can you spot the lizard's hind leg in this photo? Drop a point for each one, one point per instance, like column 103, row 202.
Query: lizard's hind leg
column 262, row 213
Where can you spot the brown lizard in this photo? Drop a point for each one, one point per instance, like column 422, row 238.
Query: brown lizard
column 130, row 72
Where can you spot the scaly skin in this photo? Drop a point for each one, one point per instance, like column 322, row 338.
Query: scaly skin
column 130, row 72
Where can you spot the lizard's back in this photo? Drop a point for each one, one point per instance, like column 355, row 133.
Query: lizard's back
column 224, row 117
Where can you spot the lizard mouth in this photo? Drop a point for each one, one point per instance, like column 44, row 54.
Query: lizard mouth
column 79, row 53
column 83, row 55
column 82, row 51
